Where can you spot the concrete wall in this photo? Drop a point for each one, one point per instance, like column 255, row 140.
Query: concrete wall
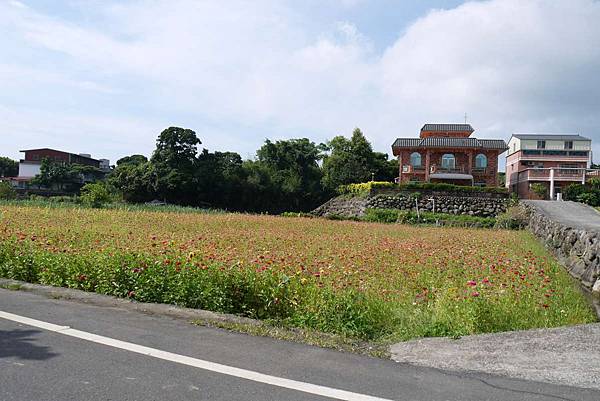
column 28, row 169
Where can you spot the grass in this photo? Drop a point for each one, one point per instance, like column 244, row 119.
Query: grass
column 367, row 281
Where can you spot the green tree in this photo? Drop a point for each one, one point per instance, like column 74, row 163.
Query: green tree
column 7, row 191
column 8, row 167
column 353, row 160
column 173, row 165
column 55, row 175
column 134, row 181
column 96, row 194
column 294, row 174
column 133, row 159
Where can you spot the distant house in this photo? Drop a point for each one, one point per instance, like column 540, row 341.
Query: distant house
column 447, row 153
column 553, row 160
column 30, row 165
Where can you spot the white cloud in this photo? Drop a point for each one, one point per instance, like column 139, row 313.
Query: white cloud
column 239, row 71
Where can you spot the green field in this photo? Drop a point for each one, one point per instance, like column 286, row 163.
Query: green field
column 382, row 282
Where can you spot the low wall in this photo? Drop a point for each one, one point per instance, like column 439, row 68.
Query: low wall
column 354, row 207
column 578, row 250
column 343, row 206
column 436, row 192
column 473, row 206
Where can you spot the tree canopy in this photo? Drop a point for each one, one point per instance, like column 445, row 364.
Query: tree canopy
column 286, row 175
column 8, row 167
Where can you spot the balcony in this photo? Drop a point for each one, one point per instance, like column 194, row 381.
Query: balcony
column 544, row 174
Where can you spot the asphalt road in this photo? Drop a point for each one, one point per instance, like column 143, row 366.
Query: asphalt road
column 572, row 214
column 39, row 364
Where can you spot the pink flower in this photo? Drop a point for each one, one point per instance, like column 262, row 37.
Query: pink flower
column 474, row 294
column 471, row 283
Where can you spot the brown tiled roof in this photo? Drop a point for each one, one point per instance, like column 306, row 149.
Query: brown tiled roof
column 434, row 142
column 448, row 127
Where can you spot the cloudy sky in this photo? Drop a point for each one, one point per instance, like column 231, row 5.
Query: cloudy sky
column 105, row 77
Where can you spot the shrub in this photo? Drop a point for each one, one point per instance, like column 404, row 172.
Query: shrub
column 410, row 217
column 366, row 187
column 515, row 218
column 95, row 194
column 539, row 189
column 296, row 214
column 7, row 192
column 363, row 188
column 588, row 193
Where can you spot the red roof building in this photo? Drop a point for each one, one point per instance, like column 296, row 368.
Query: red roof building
column 447, row 153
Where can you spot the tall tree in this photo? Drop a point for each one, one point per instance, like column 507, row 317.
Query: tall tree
column 352, row 161
column 293, row 166
column 55, row 175
column 173, row 164
column 8, row 167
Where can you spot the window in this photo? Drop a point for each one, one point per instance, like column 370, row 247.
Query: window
column 568, row 144
column 415, row 159
column 480, row 161
column 448, row 161
column 541, row 144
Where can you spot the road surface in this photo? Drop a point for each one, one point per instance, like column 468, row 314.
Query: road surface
column 117, row 354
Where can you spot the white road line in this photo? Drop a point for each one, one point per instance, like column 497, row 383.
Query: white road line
column 198, row 363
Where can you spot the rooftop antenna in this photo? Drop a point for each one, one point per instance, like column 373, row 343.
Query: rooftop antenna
column 465, row 118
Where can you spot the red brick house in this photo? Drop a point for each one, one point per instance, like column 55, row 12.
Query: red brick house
column 447, row 153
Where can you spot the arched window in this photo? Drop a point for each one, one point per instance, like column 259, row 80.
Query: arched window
column 415, row 159
column 448, row 161
column 480, row 161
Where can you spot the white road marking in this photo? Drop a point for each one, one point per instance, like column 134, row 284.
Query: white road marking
column 198, row 363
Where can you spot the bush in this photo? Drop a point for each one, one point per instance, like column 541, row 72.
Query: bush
column 296, row 214
column 366, row 187
column 411, row 217
column 539, row 189
column 7, row 192
column 515, row 218
column 95, row 194
column 588, row 193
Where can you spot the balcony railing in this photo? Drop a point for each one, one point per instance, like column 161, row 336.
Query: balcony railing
column 545, row 174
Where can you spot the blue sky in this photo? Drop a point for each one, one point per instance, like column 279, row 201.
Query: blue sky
column 106, row 77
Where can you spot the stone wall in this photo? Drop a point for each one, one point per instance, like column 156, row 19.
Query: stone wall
column 578, row 250
column 354, row 207
column 483, row 207
column 343, row 206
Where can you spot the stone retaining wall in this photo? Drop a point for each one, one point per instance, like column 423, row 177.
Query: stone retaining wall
column 354, row 207
column 343, row 206
column 578, row 250
column 483, row 207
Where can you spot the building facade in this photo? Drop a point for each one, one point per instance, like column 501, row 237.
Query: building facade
column 447, row 153
column 31, row 163
column 552, row 160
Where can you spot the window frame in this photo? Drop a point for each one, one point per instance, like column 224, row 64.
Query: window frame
column 453, row 158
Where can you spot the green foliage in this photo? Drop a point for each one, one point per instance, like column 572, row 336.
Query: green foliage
column 96, row 194
column 8, row 167
column 539, row 189
column 515, row 218
column 411, row 217
column 588, row 193
column 365, row 187
column 353, row 161
column 133, row 159
column 7, row 191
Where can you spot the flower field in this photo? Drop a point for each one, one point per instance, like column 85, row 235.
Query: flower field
column 363, row 280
